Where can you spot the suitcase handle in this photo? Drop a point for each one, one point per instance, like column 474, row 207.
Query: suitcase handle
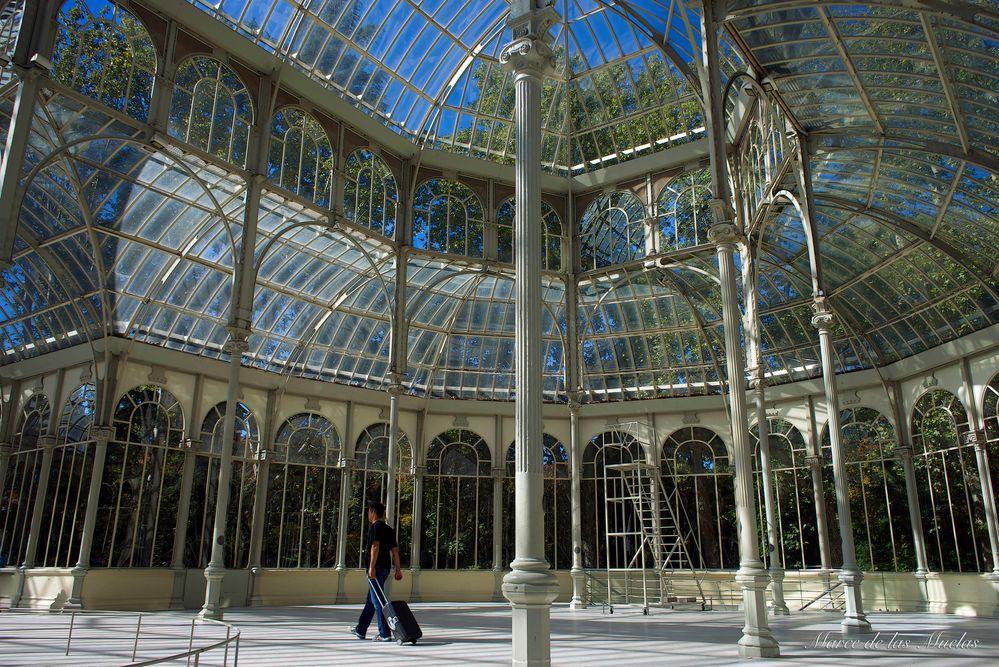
column 379, row 592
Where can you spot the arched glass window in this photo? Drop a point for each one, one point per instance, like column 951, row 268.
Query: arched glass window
column 371, row 197
column 69, row 481
column 211, row 109
column 368, row 483
column 557, row 503
column 143, row 469
column 794, row 496
column 457, row 503
column 608, row 448
column 695, row 468
column 683, row 211
column 18, row 501
column 551, row 241
column 990, row 410
column 301, row 156
column 105, row 53
column 447, row 217
column 612, row 231
column 878, row 504
column 303, row 494
column 204, row 489
column 949, row 487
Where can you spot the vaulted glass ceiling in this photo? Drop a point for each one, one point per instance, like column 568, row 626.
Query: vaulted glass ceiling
column 125, row 237
column 616, row 92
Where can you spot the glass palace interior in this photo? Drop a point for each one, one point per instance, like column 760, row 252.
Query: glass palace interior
column 339, row 176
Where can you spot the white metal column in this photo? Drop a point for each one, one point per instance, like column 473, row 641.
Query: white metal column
column 854, row 620
column 530, row 586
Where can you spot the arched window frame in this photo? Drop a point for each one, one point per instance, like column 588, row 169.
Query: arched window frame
column 463, row 538
column 69, row 481
column 201, row 80
column 684, row 200
column 142, row 474
column 303, row 494
column 368, row 483
column 245, row 462
column 794, row 496
column 556, row 499
column 18, row 500
column 301, row 155
column 948, row 484
column 457, row 230
column 551, row 240
column 612, row 231
column 371, row 195
column 609, row 447
column 706, row 495
column 876, row 490
column 123, row 77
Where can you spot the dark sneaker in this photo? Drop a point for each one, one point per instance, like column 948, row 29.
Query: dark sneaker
column 353, row 631
column 379, row 638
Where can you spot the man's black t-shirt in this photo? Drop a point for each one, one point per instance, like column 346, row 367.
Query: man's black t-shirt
column 385, row 536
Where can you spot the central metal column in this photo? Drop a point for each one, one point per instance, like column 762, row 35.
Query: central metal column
column 530, row 586
column 756, row 641
column 778, row 606
column 215, row 571
column 854, row 621
column 578, row 600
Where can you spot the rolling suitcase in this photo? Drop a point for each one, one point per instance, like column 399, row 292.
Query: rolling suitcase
column 398, row 615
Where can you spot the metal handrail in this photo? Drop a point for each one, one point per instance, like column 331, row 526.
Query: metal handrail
column 232, row 637
column 821, row 595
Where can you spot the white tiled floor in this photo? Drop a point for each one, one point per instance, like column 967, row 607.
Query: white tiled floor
column 480, row 635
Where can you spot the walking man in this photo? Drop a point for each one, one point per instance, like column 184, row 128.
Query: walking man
column 383, row 553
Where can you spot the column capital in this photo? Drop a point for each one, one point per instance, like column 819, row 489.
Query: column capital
column 101, row 434
column 419, row 471
column 757, row 380
column 574, row 401
column 974, row 439
column 721, row 212
column 347, row 464
column 498, row 473
column 6, row 448
column 394, row 388
column 904, row 452
column 823, row 319
column 47, row 441
column 725, row 234
column 530, row 56
column 237, row 340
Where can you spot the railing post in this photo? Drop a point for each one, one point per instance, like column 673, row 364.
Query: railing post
column 69, row 640
column 135, row 645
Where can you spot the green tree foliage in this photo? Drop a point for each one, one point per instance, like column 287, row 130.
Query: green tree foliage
column 371, row 196
column 301, row 156
column 447, row 217
column 105, row 53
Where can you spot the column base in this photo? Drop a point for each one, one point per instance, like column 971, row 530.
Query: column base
column 179, row 584
column 212, row 609
column 923, row 604
column 75, row 602
column 531, row 588
column 498, row 585
column 341, row 593
column 854, row 621
column 254, row 599
column 757, row 641
column 994, row 578
column 414, row 588
column 778, row 607
column 578, row 600
column 15, row 598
